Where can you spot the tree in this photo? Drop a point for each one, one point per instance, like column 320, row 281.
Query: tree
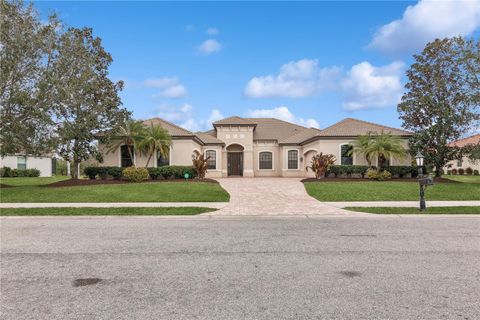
column 26, row 51
column 85, row 100
column 320, row 164
column 362, row 146
column 155, row 139
column 442, row 98
column 200, row 164
column 384, row 146
column 130, row 133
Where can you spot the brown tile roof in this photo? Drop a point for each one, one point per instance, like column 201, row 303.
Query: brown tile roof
column 301, row 136
column 208, row 138
column 235, row 120
column 475, row 139
column 274, row 129
column 354, row 127
column 173, row 129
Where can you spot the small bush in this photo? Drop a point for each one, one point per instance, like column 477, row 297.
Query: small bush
column 8, row 172
column 475, row 172
column 5, row 172
column 91, row 172
column 339, row 170
column 373, row 174
column 469, row 171
column 114, row 172
column 461, row 171
column 155, row 173
column 449, row 172
column 176, row 172
column 454, row 172
column 102, row 172
column 134, row 174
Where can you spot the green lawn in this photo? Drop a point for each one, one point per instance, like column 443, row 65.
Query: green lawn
column 128, row 192
column 390, row 191
column 469, row 179
column 103, row 211
column 431, row 210
column 32, row 181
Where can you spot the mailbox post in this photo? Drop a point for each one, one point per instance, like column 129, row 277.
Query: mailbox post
column 423, row 182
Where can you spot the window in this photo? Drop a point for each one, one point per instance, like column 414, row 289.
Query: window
column 22, row 163
column 265, row 160
column 212, row 162
column 162, row 160
column 459, row 163
column 346, row 154
column 292, row 159
column 126, row 160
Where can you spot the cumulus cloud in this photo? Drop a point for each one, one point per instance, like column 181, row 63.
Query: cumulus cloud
column 210, row 46
column 283, row 113
column 366, row 86
column 426, row 21
column 184, row 116
column 300, row 78
column 213, row 31
column 170, row 87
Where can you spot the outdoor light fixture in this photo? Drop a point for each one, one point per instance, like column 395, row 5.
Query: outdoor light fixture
column 423, row 182
column 419, row 159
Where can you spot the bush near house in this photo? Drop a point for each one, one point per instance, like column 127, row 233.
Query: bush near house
column 454, row 172
column 345, row 170
column 373, row 174
column 165, row 172
column 360, row 171
column 461, row 171
column 7, row 172
column 134, row 174
column 475, row 172
column 469, row 171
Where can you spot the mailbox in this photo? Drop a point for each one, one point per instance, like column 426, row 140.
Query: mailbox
column 426, row 181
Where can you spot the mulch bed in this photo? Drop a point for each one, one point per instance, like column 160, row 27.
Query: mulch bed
column 5, row 186
column 436, row 180
column 88, row 182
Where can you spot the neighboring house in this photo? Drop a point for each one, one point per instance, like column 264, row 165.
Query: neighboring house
column 258, row 147
column 43, row 163
column 465, row 162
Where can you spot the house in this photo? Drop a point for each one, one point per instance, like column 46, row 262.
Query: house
column 44, row 164
column 257, row 147
column 465, row 162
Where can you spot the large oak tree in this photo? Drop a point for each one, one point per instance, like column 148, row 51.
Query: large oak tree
column 441, row 103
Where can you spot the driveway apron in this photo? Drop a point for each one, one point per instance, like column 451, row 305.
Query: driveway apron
column 272, row 196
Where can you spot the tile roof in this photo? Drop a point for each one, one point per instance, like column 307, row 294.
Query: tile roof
column 235, row 120
column 301, row 136
column 173, row 129
column 208, row 138
column 274, row 129
column 475, row 139
column 354, row 127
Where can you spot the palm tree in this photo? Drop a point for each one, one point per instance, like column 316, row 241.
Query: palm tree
column 384, row 146
column 155, row 139
column 362, row 146
column 130, row 134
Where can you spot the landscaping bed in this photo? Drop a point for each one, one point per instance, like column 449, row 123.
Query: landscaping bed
column 437, row 180
column 104, row 211
column 90, row 182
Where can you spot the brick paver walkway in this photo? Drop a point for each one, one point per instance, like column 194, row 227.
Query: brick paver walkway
column 272, row 196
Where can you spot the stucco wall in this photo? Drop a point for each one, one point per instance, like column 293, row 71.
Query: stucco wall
column 466, row 163
column 269, row 146
column 44, row 164
column 217, row 173
column 241, row 135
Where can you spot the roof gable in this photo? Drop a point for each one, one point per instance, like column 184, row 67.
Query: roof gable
column 350, row 127
column 235, row 120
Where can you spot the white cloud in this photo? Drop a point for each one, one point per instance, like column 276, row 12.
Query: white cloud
column 366, row 86
column 300, row 78
column 213, row 31
column 170, row 87
column 210, row 46
column 426, row 21
column 283, row 113
column 184, row 116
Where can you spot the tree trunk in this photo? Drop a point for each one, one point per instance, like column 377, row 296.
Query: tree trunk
column 129, row 148
column 75, row 170
column 148, row 160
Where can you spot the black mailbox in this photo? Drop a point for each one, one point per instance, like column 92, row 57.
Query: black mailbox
column 426, row 181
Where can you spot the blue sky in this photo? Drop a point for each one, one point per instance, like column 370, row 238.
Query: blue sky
column 313, row 63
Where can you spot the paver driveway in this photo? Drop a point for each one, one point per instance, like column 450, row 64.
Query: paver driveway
column 271, row 196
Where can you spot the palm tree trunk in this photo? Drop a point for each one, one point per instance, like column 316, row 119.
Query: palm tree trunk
column 149, row 157
column 129, row 148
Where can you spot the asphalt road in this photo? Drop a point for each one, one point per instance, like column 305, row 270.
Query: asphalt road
column 241, row 268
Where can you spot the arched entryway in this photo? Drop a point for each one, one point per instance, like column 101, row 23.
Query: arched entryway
column 235, row 160
column 307, row 156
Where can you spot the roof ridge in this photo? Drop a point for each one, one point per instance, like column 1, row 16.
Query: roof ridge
column 376, row 124
column 469, row 137
column 281, row 120
column 170, row 123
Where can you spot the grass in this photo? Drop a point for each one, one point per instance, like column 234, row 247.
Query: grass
column 104, row 211
column 431, row 210
column 390, row 191
column 39, row 181
column 468, row 179
column 129, row 192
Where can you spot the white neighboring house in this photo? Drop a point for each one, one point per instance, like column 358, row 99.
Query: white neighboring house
column 43, row 163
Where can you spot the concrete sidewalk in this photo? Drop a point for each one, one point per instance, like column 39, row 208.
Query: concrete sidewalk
column 412, row 204
column 214, row 205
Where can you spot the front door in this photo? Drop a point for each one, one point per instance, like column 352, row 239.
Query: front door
column 235, row 163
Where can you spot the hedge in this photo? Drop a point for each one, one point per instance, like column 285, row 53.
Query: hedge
column 347, row 169
column 165, row 172
column 7, row 172
column 400, row 171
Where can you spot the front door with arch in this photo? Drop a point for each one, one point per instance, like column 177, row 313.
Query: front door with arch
column 235, row 160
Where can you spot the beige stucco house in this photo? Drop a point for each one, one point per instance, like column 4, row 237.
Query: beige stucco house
column 465, row 162
column 258, row 147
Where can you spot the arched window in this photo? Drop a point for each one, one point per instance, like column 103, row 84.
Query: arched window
column 346, row 154
column 265, row 160
column 212, row 162
column 292, row 159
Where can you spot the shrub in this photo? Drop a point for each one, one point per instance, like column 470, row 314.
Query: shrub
column 91, row 172
column 102, row 172
column 5, row 172
column 475, row 172
column 384, row 175
column 454, row 172
column 347, row 169
column 114, row 172
column 375, row 175
column 176, row 172
column 461, row 171
column 155, row 173
column 135, row 174
column 469, row 171
column 449, row 172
